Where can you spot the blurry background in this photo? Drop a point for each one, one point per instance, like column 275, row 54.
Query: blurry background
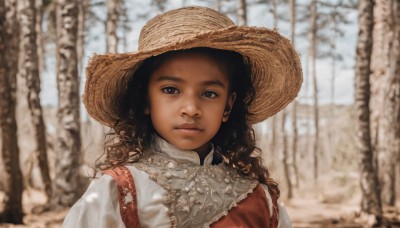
column 335, row 151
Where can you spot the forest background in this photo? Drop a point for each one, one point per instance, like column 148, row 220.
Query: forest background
column 335, row 151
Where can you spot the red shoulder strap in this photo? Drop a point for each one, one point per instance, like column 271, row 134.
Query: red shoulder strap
column 126, row 195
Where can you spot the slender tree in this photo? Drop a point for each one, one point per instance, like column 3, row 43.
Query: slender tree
column 217, row 5
column 29, row 70
column 39, row 30
column 82, row 16
column 13, row 188
column 242, row 12
column 369, row 180
column 333, row 58
column 125, row 26
column 292, row 6
column 285, row 153
column 275, row 14
column 285, row 150
column 66, row 184
column 113, row 16
column 160, row 4
column 333, row 52
column 313, row 58
column 275, row 124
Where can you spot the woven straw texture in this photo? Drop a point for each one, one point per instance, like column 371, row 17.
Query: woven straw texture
column 275, row 65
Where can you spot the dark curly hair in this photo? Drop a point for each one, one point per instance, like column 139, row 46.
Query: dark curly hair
column 235, row 141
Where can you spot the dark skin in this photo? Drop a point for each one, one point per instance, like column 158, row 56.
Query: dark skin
column 188, row 99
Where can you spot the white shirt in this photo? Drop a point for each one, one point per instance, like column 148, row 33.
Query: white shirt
column 99, row 206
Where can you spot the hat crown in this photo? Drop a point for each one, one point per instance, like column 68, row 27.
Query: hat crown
column 178, row 25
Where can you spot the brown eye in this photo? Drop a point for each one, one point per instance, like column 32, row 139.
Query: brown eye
column 210, row 94
column 170, row 90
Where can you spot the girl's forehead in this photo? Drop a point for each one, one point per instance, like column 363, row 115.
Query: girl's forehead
column 198, row 60
column 179, row 56
column 192, row 58
column 190, row 66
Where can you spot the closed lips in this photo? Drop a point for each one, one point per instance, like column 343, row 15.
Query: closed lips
column 189, row 127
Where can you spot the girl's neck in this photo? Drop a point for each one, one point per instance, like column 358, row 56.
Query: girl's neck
column 203, row 151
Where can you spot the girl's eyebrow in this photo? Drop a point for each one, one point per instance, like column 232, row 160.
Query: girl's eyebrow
column 170, row 78
column 215, row 82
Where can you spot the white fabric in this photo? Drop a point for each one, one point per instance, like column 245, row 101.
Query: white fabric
column 284, row 220
column 269, row 199
column 99, row 207
column 184, row 155
column 150, row 198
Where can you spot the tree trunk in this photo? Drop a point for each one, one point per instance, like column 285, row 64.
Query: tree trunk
column 391, row 113
column 286, row 163
column 68, row 142
column 292, row 5
column 333, row 63
column 217, row 6
column 333, row 59
column 331, row 132
column 39, row 31
column 275, row 13
column 333, row 76
column 111, row 26
column 274, row 121
column 242, row 12
column 313, row 56
column 13, row 188
column 379, row 75
column 379, row 66
column 80, row 46
column 369, row 179
column 274, row 141
column 383, row 96
column 29, row 71
column 184, row 3
column 125, row 26
column 307, row 79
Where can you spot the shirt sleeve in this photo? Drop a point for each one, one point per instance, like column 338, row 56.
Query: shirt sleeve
column 284, row 219
column 97, row 208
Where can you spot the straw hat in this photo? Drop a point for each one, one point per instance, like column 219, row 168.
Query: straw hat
column 275, row 65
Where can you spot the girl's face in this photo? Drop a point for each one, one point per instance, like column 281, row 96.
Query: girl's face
column 188, row 100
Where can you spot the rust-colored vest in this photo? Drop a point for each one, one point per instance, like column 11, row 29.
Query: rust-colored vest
column 250, row 212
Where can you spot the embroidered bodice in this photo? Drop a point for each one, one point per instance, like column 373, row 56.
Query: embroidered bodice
column 196, row 194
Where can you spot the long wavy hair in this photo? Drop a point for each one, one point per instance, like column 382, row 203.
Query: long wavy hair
column 235, row 141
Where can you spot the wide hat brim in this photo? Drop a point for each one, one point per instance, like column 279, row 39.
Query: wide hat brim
column 275, row 70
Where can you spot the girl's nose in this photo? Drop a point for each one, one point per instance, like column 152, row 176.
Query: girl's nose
column 190, row 108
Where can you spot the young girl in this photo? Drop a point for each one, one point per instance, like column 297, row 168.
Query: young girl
column 184, row 152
